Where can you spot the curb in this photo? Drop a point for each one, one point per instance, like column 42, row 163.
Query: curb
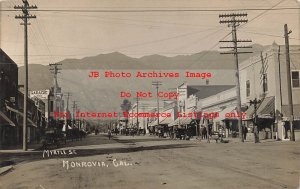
column 6, row 169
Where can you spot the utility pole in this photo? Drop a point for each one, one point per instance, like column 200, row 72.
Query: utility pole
column 157, row 84
column 55, row 70
column 233, row 22
column 137, row 112
column 177, row 104
column 264, row 82
column 74, row 106
column 132, row 118
column 289, row 84
column 25, row 16
column 67, row 110
column 144, row 119
column 144, row 106
column 263, row 73
column 68, row 97
column 77, row 110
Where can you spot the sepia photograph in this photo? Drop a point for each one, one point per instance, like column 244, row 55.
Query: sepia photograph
column 149, row 94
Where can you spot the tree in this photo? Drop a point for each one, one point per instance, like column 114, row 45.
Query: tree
column 125, row 107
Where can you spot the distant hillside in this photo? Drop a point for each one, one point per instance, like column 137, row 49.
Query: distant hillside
column 116, row 60
column 39, row 76
column 103, row 93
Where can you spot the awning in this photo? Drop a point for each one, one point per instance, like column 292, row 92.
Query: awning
column 185, row 121
column 30, row 122
column 222, row 114
column 286, row 112
column 250, row 112
column 13, row 110
column 162, row 121
column 181, row 121
column 166, row 121
column 21, row 114
column 123, row 118
column 174, row 123
column 5, row 118
column 267, row 108
column 153, row 123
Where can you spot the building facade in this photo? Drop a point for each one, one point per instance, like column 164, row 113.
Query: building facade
column 264, row 77
column 8, row 98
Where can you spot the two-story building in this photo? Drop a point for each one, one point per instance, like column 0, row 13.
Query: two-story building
column 8, row 98
column 264, row 77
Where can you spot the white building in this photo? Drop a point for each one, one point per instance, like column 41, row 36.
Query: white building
column 264, row 77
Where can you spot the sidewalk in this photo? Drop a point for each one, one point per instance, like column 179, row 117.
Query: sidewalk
column 19, row 148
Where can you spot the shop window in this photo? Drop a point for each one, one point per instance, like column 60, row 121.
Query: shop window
column 248, row 88
column 295, row 79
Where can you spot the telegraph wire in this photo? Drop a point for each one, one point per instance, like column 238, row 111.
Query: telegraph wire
column 207, row 51
column 262, row 13
column 157, row 10
column 264, row 34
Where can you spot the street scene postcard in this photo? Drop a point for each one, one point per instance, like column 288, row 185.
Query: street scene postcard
column 150, row 94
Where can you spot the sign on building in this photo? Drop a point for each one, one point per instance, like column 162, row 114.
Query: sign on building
column 191, row 102
column 41, row 94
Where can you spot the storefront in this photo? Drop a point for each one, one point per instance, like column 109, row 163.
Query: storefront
column 7, row 131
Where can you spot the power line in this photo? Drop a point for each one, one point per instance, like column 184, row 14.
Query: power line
column 158, row 10
column 264, row 34
column 265, row 11
column 272, row 8
column 105, row 18
column 205, row 53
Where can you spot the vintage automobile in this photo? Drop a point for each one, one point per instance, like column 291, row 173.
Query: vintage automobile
column 53, row 138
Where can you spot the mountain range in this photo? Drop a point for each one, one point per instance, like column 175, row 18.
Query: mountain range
column 74, row 75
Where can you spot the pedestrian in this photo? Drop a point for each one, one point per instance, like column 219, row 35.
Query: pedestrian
column 201, row 131
column 109, row 134
column 159, row 133
column 286, row 126
column 210, row 129
column 256, row 134
column 204, row 133
column 245, row 131
column 208, row 132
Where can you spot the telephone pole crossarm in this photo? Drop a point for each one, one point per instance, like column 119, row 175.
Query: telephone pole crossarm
column 239, row 40
column 233, row 15
column 235, row 52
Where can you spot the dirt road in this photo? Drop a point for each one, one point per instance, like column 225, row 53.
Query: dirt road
column 146, row 162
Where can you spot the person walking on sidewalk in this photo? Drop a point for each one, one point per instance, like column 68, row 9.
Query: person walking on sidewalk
column 204, row 133
column 109, row 134
column 245, row 131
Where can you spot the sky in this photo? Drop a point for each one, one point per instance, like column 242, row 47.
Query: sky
column 58, row 33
